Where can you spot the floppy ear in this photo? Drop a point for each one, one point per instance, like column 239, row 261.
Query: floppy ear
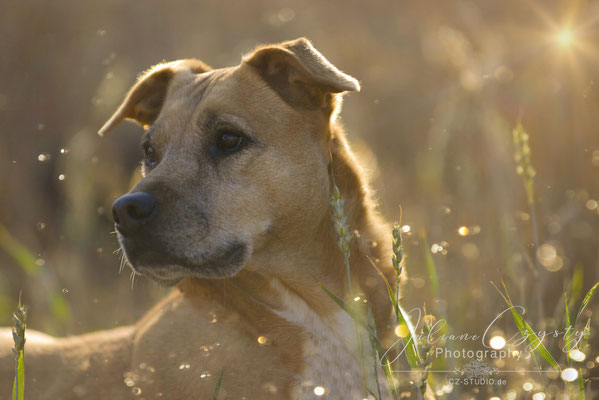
column 300, row 74
column 145, row 99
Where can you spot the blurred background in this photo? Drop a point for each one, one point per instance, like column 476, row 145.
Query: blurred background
column 443, row 86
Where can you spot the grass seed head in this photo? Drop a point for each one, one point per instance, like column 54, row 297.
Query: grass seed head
column 340, row 222
column 524, row 166
column 19, row 319
column 397, row 257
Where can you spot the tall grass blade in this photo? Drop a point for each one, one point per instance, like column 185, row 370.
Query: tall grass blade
column 18, row 389
column 527, row 332
column 353, row 313
column 576, row 285
column 586, row 300
column 388, row 371
column 374, row 340
column 572, row 293
column 402, row 321
column 18, row 252
column 568, row 330
column 430, row 267
column 375, row 355
column 579, row 382
column 60, row 308
column 218, row 383
column 577, row 281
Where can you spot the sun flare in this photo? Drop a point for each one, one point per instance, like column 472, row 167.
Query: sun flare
column 564, row 37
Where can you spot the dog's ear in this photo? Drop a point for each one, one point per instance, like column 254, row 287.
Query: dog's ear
column 300, row 74
column 145, row 99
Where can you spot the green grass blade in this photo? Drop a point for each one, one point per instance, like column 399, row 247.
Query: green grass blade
column 21, row 374
column 430, row 266
column 411, row 351
column 576, row 291
column 60, row 308
column 402, row 321
column 388, row 285
column 375, row 354
column 572, row 293
column 218, row 383
column 583, row 345
column 579, row 382
column 388, row 371
column 18, row 252
column 18, row 388
column 568, row 330
column 528, row 334
column 386, row 366
column 577, row 282
column 580, row 386
column 586, row 300
column 353, row 313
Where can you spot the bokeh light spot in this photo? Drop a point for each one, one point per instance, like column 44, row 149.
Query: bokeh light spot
column 569, row 374
column 497, row 342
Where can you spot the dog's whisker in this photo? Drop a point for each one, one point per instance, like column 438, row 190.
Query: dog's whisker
column 123, row 262
column 132, row 279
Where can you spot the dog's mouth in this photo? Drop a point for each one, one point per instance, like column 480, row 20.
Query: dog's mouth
column 168, row 268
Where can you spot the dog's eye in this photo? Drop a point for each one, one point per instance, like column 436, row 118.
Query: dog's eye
column 151, row 158
column 230, row 142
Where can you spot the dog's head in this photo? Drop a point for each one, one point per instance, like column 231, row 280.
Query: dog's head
column 234, row 159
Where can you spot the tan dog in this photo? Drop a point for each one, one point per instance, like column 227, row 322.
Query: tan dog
column 234, row 210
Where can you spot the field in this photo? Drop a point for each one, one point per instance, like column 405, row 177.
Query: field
column 477, row 122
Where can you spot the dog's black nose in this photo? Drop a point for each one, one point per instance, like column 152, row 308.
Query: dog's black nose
column 132, row 210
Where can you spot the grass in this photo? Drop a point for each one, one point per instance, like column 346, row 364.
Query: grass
column 418, row 354
column 527, row 332
column 218, row 385
column 342, row 231
column 58, row 308
column 363, row 318
column 18, row 334
column 554, row 357
column 524, row 168
column 22, row 256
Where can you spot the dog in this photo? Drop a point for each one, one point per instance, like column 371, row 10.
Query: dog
column 233, row 211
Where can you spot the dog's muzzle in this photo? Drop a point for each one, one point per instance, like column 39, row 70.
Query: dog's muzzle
column 165, row 251
column 131, row 211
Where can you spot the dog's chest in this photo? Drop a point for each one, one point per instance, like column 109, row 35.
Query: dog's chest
column 331, row 369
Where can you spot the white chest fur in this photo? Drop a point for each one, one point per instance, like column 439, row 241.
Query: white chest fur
column 331, row 367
